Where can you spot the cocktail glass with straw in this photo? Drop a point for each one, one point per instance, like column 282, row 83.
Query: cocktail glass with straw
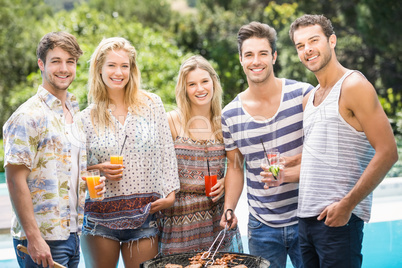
column 272, row 167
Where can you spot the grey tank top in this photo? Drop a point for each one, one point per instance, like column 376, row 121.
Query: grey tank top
column 334, row 157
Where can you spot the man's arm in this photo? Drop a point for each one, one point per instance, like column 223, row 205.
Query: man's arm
column 360, row 107
column 22, row 203
column 292, row 168
column 234, row 181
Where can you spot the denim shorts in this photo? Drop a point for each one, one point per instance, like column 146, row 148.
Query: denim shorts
column 147, row 230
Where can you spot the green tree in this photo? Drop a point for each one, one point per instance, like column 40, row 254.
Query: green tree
column 212, row 32
column 151, row 13
column 18, row 48
column 158, row 59
column 378, row 23
column 369, row 39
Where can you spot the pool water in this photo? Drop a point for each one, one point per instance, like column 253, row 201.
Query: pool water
column 382, row 244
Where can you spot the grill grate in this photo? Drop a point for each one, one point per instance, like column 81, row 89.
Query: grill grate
column 183, row 259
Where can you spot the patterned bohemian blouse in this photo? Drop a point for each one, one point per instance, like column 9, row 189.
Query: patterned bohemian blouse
column 149, row 159
column 34, row 136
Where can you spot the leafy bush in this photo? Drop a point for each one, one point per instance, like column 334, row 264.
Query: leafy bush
column 158, row 59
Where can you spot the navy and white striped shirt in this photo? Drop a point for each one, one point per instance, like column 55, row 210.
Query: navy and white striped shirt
column 277, row 206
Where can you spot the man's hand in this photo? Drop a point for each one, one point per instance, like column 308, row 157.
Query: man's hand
column 289, row 172
column 40, row 253
column 336, row 215
column 230, row 220
column 268, row 178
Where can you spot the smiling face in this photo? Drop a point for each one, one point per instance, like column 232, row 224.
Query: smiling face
column 257, row 60
column 58, row 71
column 115, row 70
column 199, row 87
column 313, row 47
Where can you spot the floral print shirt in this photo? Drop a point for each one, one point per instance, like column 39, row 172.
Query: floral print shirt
column 35, row 136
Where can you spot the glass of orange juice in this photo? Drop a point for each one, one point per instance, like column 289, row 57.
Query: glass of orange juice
column 116, row 159
column 93, row 179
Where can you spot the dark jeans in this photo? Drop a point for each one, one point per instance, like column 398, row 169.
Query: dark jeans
column 324, row 246
column 65, row 252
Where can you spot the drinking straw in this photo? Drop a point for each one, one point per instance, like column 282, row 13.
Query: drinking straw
column 122, row 147
column 266, row 155
column 208, row 168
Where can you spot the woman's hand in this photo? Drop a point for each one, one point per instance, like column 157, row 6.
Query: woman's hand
column 113, row 172
column 218, row 190
column 163, row 203
column 101, row 188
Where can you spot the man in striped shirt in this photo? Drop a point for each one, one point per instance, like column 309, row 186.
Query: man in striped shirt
column 348, row 149
column 269, row 111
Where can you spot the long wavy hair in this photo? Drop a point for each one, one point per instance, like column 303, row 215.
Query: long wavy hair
column 184, row 103
column 98, row 94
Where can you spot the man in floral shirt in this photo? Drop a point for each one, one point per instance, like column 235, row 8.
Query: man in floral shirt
column 44, row 156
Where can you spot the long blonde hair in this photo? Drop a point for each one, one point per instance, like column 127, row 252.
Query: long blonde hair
column 184, row 103
column 98, row 94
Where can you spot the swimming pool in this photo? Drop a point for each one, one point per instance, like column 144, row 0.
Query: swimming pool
column 2, row 177
column 382, row 243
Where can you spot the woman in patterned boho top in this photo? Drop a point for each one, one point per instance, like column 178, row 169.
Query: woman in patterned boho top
column 125, row 220
column 192, row 223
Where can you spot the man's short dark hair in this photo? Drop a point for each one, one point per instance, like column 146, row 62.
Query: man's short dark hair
column 258, row 30
column 309, row 20
column 64, row 40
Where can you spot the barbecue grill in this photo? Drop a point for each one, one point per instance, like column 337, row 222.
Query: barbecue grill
column 183, row 259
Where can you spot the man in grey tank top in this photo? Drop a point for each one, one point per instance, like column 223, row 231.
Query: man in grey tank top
column 348, row 149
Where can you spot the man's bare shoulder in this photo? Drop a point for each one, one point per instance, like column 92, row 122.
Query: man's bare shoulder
column 357, row 83
column 356, row 89
column 358, row 100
